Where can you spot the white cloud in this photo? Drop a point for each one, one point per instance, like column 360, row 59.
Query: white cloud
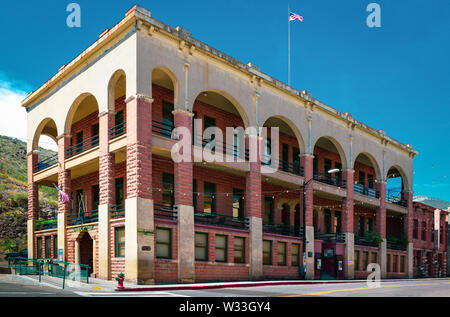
column 13, row 117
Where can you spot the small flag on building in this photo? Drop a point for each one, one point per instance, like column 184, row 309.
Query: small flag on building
column 65, row 199
column 295, row 16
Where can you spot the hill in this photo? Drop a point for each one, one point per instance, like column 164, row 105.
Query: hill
column 433, row 202
column 13, row 195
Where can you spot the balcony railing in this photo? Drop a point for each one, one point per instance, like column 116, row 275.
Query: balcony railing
column 366, row 191
column 84, row 217
column 366, row 240
column 396, row 198
column 395, row 246
column 82, row 146
column 330, row 180
column 165, row 211
column 221, row 220
column 118, row 130
column 284, row 230
column 333, row 237
column 227, row 149
column 162, row 128
column 284, row 166
column 117, row 211
column 44, row 164
column 46, row 224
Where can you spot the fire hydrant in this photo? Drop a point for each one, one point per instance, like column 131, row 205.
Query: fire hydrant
column 120, row 278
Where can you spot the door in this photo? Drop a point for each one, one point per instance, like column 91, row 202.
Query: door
column 86, row 251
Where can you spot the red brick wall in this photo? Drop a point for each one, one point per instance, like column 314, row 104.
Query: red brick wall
column 51, row 234
column 166, row 270
column 360, row 271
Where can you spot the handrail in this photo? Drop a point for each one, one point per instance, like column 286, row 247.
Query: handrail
column 395, row 246
column 162, row 128
column 221, row 220
column 85, row 145
column 118, row 130
column 165, row 211
column 285, row 166
column 227, row 148
column 85, row 217
column 330, row 180
column 333, row 237
column 366, row 191
column 365, row 240
column 396, row 198
column 46, row 224
column 48, row 162
column 284, row 230
column 117, row 211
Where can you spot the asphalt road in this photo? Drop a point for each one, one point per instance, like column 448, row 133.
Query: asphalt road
column 10, row 287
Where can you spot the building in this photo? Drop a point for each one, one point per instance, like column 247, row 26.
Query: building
column 133, row 210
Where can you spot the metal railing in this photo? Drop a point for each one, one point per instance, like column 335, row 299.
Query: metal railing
column 396, row 198
column 366, row 191
column 117, row 211
column 395, row 246
column 330, row 180
column 165, row 211
column 44, row 164
column 366, row 240
column 63, row 270
column 333, row 237
column 221, row 220
column 284, row 166
column 83, row 217
column 227, row 149
column 46, row 224
column 82, row 146
column 284, row 230
column 162, row 128
column 118, row 130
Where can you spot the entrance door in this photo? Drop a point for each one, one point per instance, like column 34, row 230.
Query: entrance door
column 86, row 251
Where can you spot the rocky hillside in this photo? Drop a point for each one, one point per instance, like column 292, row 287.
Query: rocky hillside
column 13, row 195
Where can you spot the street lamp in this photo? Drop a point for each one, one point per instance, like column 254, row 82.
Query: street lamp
column 336, row 170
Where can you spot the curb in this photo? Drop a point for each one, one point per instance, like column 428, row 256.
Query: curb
column 254, row 284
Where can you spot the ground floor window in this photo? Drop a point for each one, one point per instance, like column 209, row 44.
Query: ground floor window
column 267, row 252
column 39, row 248
column 374, row 257
column 48, row 247
column 281, row 253
column 221, row 248
column 55, row 246
column 164, row 243
column 201, row 246
column 388, row 263
column 356, row 260
column 120, row 242
column 395, row 263
column 295, row 254
column 239, row 250
column 365, row 260
column 402, row 263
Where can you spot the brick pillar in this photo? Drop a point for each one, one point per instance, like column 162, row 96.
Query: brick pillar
column 184, row 201
column 107, row 194
column 381, row 227
column 139, row 221
column 33, row 203
column 409, row 219
column 64, row 183
column 347, row 225
column 307, row 163
column 253, row 211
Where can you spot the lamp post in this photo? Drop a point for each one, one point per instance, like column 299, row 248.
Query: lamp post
column 304, row 215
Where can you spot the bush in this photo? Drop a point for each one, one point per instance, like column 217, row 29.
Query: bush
column 21, row 199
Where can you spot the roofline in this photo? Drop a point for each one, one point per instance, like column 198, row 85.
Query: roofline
column 139, row 13
column 429, row 208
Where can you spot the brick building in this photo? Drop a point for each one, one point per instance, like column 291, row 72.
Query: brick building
column 134, row 210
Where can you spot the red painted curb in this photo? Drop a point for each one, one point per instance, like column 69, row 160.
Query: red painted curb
column 200, row 287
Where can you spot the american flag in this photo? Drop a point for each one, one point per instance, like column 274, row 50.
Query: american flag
column 65, row 199
column 295, row 16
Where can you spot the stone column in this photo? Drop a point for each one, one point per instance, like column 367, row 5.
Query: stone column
column 381, row 227
column 107, row 195
column 33, row 203
column 139, row 222
column 253, row 209
column 347, row 225
column 307, row 163
column 184, row 200
column 409, row 219
column 64, row 183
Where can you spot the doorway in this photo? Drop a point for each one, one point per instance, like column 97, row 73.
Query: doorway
column 86, row 251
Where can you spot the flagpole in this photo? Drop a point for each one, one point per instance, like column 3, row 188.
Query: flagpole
column 289, row 47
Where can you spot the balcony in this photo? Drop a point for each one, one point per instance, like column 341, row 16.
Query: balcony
column 395, row 197
column 118, row 130
column 117, row 212
column 162, row 129
column 285, row 166
column 330, row 180
column 284, row 230
column 165, row 211
column 82, row 146
column 47, row 224
column 369, row 239
column 227, row 149
column 366, row 191
column 44, row 164
column 82, row 218
column 221, row 221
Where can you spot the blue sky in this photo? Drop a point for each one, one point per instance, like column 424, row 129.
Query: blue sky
column 393, row 78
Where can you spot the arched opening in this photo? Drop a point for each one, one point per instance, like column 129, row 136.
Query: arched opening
column 117, row 90
column 86, row 254
column 396, row 184
column 290, row 145
column 45, row 145
column 164, row 94
column 366, row 174
column 329, row 161
column 83, row 125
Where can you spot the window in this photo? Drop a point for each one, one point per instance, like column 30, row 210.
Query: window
column 95, row 196
column 168, row 190
column 79, row 141
column 338, row 174
column 327, row 221
column 424, row 231
column 221, row 248
column 120, row 197
column 167, row 120
column 402, row 263
column 327, row 167
column 238, row 203
column 365, row 260
column 39, row 248
column 281, row 253
column 395, row 263
column 388, row 262
column 164, row 243
column 210, row 198
column 48, row 247
column 194, row 194
column 201, row 246
column 369, row 225
column 337, row 221
column 361, row 225
column 239, row 250
column 356, row 260
column 120, row 242
column 267, row 252
column 374, row 257
column 95, row 132
column 80, row 199
column 296, row 160
column 210, row 123
column 119, row 120
column 370, row 182
column 416, row 229
column 362, row 178
column 295, row 254
column 268, row 209
column 285, row 157
column 119, row 117
column 55, row 246
column 268, row 151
